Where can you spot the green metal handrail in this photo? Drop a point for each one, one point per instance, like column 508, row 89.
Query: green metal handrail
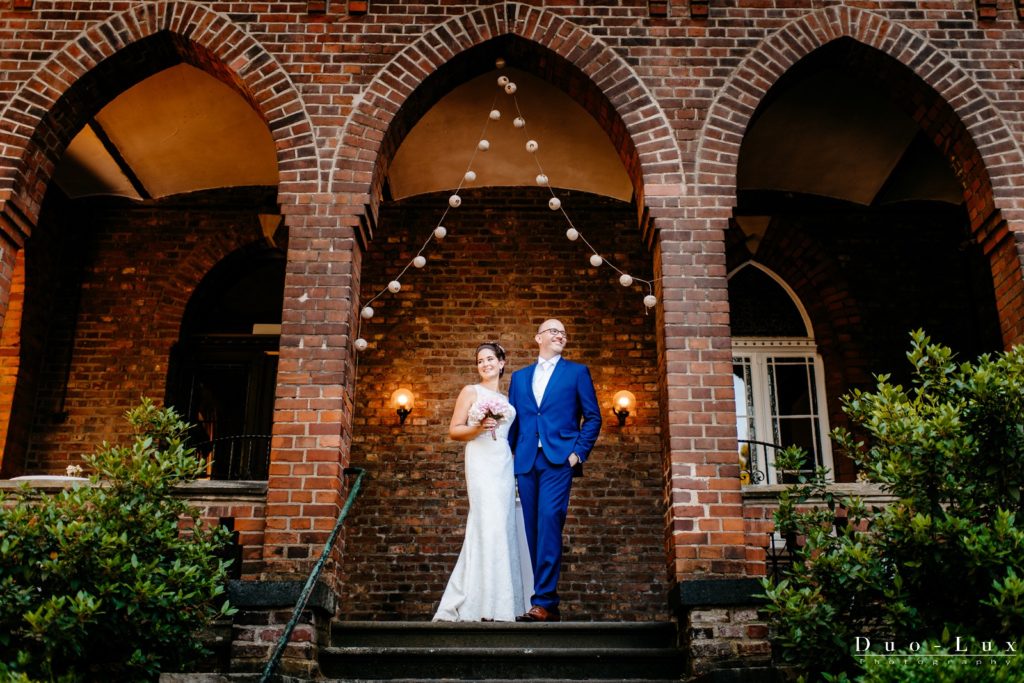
column 314, row 575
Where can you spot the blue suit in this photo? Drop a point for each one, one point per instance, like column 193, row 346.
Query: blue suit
column 567, row 421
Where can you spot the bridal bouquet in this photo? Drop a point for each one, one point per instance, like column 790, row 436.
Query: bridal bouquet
column 493, row 408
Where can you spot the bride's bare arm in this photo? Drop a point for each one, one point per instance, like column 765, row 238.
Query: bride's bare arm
column 459, row 428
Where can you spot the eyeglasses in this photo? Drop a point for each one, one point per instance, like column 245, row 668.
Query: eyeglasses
column 556, row 333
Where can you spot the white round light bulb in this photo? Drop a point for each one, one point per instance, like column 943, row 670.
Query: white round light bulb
column 625, row 280
column 573, row 234
column 440, row 232
column 650, row 301
column 361, row 344
column 419, row 261
column 596, row 261
column 542, row 179
column 495, row 115
column 531, row 146
column 554, row 203
column 510, row 88
column 483, row 145
column 394, row 286
column 367, row 312
column 470, row 176
column 455, row 201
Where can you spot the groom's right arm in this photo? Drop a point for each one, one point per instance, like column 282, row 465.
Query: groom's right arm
column 513, row 430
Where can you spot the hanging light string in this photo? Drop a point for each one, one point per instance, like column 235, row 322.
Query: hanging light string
column 555, row 204
column 455, row 201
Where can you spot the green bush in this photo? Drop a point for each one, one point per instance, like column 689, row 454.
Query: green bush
column 947, row 558
column 98, row 582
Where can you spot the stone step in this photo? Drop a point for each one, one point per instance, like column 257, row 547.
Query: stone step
column 511, row 680
column 504, row 634
column 470, row 663
column 501, row 651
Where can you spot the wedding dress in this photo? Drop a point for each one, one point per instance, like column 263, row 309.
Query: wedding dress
column 492, row 578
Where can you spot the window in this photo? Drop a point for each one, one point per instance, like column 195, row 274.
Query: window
column 778, row 377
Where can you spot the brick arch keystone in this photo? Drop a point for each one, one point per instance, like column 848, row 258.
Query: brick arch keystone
column 634, row 119
column 727, row 121
column 210, row 40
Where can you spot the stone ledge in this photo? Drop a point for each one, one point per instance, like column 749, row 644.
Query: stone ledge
column 279, row 595
column 715, row 593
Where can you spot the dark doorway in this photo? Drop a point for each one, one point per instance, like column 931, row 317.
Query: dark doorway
column 224, row 368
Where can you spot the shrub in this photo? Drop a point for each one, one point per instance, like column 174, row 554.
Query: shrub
column 946, row 559
column 98, row 582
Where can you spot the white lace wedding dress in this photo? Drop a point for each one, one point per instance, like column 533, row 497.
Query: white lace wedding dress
column 492, row 578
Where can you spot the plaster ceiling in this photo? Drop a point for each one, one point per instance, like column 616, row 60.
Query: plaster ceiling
column 831, row 136
column 574, row 151
column 181, row 130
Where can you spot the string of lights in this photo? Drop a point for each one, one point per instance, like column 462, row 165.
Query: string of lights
column 573, row 234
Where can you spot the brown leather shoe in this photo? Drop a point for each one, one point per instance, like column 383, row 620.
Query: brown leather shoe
column 538, row 613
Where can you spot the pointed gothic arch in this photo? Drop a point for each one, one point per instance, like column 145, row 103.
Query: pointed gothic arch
column 50, row 106
column 954, row 111
column 981, row 136
column 587, row 69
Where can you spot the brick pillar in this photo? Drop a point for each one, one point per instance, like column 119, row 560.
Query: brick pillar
column 705, row 513
column 1003, row 243
column 15, row 227
column 14, row 230
column 312, row 414
column 11, row 465
column 712, row 598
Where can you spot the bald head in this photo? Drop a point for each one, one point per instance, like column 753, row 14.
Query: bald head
column 551, row 338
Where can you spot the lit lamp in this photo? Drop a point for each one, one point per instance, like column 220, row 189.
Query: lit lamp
column 622, row 403
column 401, row 400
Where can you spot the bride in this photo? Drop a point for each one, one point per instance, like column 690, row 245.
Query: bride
column 488, row 580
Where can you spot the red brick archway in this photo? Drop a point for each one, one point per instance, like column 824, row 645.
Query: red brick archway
column 48, row 109
column 543, row 43
column 942, row 99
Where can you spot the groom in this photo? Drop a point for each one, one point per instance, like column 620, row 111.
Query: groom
column 551, row 398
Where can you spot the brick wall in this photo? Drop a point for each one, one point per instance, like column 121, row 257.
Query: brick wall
column 675, row 93
column 107, row 320
column 504, row 267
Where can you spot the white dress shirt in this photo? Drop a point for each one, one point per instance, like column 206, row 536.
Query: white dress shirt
column 542, row 375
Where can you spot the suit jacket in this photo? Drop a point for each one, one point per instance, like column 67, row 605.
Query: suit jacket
column 556, row 422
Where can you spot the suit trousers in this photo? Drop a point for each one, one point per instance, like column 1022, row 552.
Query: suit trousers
column 544, row 494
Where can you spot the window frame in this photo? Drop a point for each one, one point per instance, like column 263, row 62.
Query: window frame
column 758, row 350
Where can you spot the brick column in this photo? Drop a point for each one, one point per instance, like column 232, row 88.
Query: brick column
column 312, row 414
column 14, row 230
column 1002, row 242
column 705, row 512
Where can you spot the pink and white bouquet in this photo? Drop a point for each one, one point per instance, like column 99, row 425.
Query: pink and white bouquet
column 493, row 408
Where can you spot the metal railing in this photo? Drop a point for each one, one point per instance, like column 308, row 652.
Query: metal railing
column 314, row 575
column 237, row 458
column 757, row 460
column 754, row 459
column 779, row 555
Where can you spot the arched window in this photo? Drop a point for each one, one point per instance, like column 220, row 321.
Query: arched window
column 223, row 370
column 778, row 376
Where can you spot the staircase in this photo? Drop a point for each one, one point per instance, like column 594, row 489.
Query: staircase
column 502, row 651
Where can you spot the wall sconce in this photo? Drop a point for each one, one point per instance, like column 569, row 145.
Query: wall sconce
column 622, row 403
column 402, row 401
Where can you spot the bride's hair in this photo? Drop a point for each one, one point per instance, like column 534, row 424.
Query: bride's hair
column 499, row 352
